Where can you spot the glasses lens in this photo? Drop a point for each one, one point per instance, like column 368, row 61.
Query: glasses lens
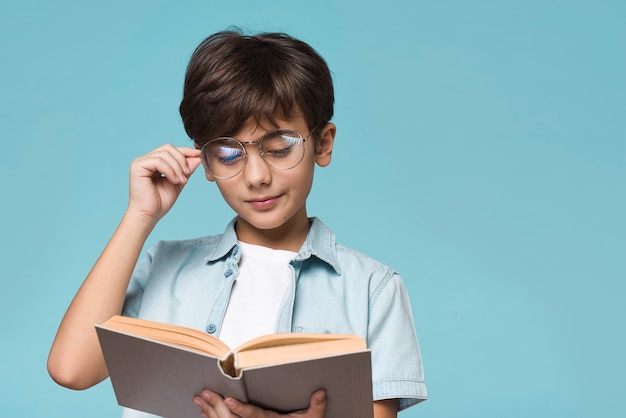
column 224, row 157
column 283, row 149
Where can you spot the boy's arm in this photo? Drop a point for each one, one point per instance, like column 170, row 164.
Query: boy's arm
column 156, row 180
column 386, row 409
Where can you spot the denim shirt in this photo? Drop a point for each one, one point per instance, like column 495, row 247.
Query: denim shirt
column 334, row 290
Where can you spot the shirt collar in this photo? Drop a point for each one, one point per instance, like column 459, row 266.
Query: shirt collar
column 227, row 241
column 320, row 242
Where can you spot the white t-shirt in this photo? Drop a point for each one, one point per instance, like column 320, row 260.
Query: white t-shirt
column 264, row 275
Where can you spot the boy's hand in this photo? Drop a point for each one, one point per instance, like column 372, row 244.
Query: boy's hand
column 213, row 405
column 157, row 178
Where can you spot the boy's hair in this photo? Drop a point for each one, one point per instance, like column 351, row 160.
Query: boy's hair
column 233, row 77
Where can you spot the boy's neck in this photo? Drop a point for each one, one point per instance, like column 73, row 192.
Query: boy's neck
column 290, row 236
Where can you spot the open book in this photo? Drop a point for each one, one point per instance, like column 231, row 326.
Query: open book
column 158, row 368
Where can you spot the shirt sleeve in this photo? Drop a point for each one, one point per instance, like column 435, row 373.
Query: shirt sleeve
column 396, row 359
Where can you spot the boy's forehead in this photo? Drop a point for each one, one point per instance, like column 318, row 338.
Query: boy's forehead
column 255, row 125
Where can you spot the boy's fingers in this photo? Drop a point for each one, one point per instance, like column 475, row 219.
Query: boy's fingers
column 189, row 152
column 161, row 166
column 245, row 410
column 193, row 163
column 316, row 409
column 211, row 404
column 191, row 159
column 317, row 406
column 168, row 161
column 176, row 158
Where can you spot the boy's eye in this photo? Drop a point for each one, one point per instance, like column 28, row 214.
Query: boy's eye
column 279, row 146
column 227, row 155
column 278, row 153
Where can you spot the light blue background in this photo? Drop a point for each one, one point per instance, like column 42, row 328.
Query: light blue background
column 481, row 143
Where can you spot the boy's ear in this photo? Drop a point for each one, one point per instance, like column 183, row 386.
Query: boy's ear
column 324, row 145
column 208, row 176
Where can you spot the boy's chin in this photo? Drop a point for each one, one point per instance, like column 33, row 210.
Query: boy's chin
column 261, row 225
column 266, row 224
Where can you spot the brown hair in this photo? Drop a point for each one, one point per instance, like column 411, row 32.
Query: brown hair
column 232, row 77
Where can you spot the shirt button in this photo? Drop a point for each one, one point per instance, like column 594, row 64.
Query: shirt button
column 236, row 251
column 228, row 273
column 211, row 328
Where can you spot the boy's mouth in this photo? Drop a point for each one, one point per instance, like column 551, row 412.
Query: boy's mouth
column 264, row 202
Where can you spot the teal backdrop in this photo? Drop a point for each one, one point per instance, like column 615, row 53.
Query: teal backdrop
column 481, row 151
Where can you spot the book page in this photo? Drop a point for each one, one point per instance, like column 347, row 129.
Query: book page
column 172, row 334
column 268, row 355
column 277, row 340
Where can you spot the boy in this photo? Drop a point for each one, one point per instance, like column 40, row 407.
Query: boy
column 258, row 109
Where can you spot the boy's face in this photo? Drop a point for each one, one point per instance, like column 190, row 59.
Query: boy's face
column 271, row 203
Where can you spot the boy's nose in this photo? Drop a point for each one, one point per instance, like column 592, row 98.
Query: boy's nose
column 256, row 171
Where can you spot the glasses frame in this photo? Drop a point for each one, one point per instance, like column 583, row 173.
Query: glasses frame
column 259, row 143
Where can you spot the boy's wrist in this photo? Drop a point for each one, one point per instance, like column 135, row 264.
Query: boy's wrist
column 139, row 220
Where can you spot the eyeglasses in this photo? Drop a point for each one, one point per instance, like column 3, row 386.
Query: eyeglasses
column 282, row 149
